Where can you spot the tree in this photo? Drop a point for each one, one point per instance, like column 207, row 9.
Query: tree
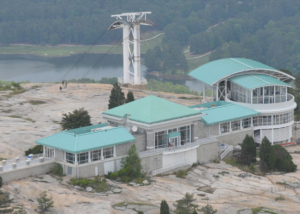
column 45, row 203
column 131, row 165
column 284, row 161
column 208, row 209
column 130, row 97
column 186, row 205
column 272, row 158
column 0, row 182
column 38, row 149
column 164, row 207
column 78, row 118
column 248, row 151
column 264, row 151
column 116, row 97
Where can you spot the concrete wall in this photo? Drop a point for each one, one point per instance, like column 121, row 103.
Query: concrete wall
column 208, row 152
column 59, row 155
column 27, row 171
column 200, row 130
column 89, row 169
column 234, row 138
column 151, row 163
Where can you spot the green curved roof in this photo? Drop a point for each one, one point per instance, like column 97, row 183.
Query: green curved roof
column 251, row 81
column 151, row 109
column 212, row 72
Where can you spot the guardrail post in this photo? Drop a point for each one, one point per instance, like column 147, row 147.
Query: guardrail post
column 17, row 159
column 14, row 165
column 41, row 159
column 1, row 168
column 27, row 162
column 3, row 162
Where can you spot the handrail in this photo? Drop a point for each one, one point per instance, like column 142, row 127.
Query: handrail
column 226, row 151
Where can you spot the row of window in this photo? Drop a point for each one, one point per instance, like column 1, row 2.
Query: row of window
column 161, row 138
column 235, row 125
column 273, row 119
column 257, row 121
column 95, row 155
column 263, row 95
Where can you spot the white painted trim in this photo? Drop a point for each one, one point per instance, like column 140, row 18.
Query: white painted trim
column 179, row 151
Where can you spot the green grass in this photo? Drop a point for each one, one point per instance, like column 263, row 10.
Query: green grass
column 280, row 198
column 65, row 50
column 257, row 210
column 37, row 102
column 98, row 184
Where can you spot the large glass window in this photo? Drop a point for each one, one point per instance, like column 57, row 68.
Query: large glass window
column 70, row 157
column 277, row 119
column 83, row 158
column 185, row 134
column 246, row 123
column 235, row 125
column 240, row 94
column 224, row 127
column 161, row 139
column 108, row 152
column 96, row 155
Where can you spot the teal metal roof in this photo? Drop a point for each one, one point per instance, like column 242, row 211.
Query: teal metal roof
column 214, row 71
column 151, row 109
column 174, row 134
column 252, row 81
column 86, row 129
column 225, row 113
column 76, row 143
column 210, row 104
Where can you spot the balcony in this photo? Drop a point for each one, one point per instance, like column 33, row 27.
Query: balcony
column 271, row 107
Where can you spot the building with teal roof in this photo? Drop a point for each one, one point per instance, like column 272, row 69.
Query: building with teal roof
column 249, row 98
column 252, row 85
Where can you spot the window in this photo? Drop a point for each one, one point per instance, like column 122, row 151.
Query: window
column 235, row 125
column 108, row 152
column 83, row 158
column 96, row 155
column 161, row 139
column 224, row 127
column 240, row 94
column 246, row 123
column 185, row 135
column 70, row 157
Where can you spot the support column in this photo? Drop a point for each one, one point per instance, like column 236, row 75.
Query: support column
column 150, row 140
column 203, row 92
column 137, row 54
column 126, row 61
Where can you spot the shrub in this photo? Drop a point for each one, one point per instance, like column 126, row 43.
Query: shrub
column 248, row 151
column 0, row 182
column 164, row 207
column 280, row 198
column 100, row 185
column 208, row 209
column 181, row 174
column 44, row 202
column 114, row 175
column 186, row 204
column 57, row 170
column 38, row 149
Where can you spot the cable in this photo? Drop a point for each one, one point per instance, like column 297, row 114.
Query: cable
column 82, row 56
column 101, row 58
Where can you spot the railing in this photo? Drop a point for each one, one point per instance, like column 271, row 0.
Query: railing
column 178, row 148
column 226, row 151
column 171, row 167
column 23, row 162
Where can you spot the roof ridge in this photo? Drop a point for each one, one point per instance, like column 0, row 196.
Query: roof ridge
column 241, row 62
column 104, row 130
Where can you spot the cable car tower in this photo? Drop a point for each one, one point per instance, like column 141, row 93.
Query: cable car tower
column 131, row 22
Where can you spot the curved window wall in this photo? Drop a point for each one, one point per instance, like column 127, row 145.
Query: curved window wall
column 262, row 95
column 273, row 119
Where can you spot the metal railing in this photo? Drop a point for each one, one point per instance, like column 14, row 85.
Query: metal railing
column 171, row 167
column 178, row 148
column 23, row 159
column 226, row 151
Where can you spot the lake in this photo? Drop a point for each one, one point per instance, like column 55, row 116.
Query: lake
column 55, row 69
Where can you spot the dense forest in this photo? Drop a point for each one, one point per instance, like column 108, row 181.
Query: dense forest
column 267, row 31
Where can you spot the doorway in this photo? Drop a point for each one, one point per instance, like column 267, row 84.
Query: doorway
column 174, row 142
column 49, row 152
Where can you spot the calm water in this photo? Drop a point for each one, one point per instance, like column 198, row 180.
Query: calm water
column 54, row 69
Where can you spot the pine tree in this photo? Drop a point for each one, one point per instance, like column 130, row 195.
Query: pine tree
column 131, row 164
column 130, row 97
column 248, row 151
column 208, row 209
column 272, row 158
column 116, row 97
column 265, row 149
column 78, row 118
column 0, row 181
column 186, row 205
column 164, row 207
column 44, row 202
